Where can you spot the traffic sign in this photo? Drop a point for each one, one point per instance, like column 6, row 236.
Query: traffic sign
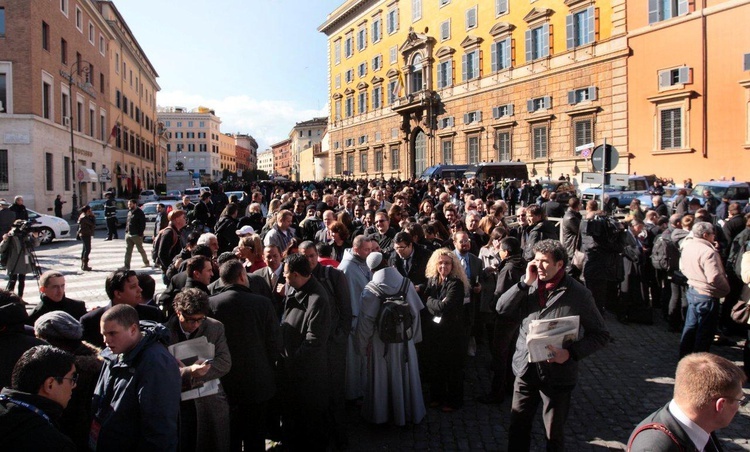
column 599, row 155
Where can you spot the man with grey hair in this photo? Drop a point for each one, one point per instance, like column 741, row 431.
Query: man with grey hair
column 701, row 264
column 211, row 241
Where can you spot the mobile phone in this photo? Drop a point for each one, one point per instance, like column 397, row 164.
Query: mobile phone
column 208, row 361
column 533, row 268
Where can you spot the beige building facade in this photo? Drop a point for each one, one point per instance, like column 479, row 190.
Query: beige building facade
column 194, row 139
column 265, row 161
column 137, row 159
column 415, row 84
column 303, row 136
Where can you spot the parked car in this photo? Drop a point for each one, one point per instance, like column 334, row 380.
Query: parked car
column 147, row 196
column 738, row 192
column 97, row 206
column 668, row 196
column 444, row 172
column 195, row 193
column 239, row 194
column 619, row 195
column 171, row 195
column 49, row 227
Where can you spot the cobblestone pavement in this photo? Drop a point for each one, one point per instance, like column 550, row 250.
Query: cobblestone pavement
column 618, row 386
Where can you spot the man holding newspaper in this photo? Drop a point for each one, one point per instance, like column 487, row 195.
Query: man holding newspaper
column 551, row 307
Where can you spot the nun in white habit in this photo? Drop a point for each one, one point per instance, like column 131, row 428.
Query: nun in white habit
column 394, row 390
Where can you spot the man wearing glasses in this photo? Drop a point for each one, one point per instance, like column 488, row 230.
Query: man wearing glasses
column 707, row 395
column 43, row 382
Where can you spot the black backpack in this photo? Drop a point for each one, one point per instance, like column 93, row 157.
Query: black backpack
column 665, row 255
column 394, row 322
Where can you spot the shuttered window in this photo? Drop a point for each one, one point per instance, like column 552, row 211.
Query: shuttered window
column 502, row 143
column 580, row 28
column 671, row 128
column 539, row 133
column 583, row 131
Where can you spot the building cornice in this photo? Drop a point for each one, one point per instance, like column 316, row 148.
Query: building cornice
column 343, row 14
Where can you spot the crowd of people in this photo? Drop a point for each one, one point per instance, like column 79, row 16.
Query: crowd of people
column 373, row 293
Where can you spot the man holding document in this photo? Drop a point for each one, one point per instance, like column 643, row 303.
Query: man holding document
column 548, row 304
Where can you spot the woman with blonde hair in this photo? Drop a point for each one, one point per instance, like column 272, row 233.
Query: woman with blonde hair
column 250, row 253
column 446, row 337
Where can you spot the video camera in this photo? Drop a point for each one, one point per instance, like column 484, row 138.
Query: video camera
column 23, row 227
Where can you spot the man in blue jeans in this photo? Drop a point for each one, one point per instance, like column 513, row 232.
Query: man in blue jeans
column 701, row 264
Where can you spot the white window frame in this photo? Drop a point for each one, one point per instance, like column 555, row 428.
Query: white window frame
column 377, row 98
column 349, row 45
column 393, row 55
column 102, row 44
column 468, row 73
column 377, row 62
column 580, row 24
column 362, row 102
column 362, row 69
column 79, row 19
column 445, row 30
column 537, row 46
column 65, row 7
column 92, row 34
column 377, row 29
column 442, row 73
column 48, row 79
column 472, row 18
column 337, row 81
column 392, row 20
column 675, row 78
column 502, row 61
column 362, row 37
column 416, row 10
column 501, row 7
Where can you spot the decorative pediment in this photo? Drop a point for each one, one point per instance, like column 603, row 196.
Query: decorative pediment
column 361, row 85
column 570, row 3
column 391, row 73
column 537, row 14
column 415, row 40
column 348, row 91
column 337, row 96
column 501, row 28
column 471, row 41
column 376, row 80
column 445, row 51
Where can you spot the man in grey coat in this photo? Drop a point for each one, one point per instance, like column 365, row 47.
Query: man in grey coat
column 546, row 292
column 357, row 273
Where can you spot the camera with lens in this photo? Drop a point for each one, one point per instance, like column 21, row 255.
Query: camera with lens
column 21, row 228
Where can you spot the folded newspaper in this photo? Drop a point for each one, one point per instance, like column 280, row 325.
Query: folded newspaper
column 558, row 332
column 194, row 351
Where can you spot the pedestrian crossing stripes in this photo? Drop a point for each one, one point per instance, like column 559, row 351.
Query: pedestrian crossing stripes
column 105, row 257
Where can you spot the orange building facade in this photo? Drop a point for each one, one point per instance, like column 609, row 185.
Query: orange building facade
column 282, row 158
column 689, row 89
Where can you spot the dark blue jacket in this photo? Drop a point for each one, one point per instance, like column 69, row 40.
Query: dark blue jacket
column 137, row 398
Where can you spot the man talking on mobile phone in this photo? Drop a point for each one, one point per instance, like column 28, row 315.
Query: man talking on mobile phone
column 547, row 292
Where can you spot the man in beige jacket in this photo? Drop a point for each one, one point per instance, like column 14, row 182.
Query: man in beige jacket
column 707, row 281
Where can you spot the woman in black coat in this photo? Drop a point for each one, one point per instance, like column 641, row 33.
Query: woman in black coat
column 446, row 337
column 226, row 229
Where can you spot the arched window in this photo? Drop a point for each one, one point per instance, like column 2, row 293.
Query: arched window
column 417, row 74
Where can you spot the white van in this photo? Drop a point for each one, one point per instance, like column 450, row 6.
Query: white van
column 195, row 193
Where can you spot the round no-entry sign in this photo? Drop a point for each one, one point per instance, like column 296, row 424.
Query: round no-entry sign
column 605, row 157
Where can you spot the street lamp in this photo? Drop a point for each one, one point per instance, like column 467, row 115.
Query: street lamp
column 75, row 68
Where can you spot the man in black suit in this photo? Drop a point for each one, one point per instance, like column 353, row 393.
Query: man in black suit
column 410, row 260
column 252, row 332
column 122, row 288
column 707, row 395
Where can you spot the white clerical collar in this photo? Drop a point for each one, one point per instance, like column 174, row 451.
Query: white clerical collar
column 697, row 435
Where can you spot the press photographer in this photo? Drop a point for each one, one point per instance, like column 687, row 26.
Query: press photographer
column 18, row 245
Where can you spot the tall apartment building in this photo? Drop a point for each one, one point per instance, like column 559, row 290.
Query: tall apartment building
column 282, row 158
column 305, row 135
column 194, row 137
column 689, row 89
column 265, row 161
column 227, row 154
column 247, row 152
column 139, row 161
column 421, row 82
column 54, row 77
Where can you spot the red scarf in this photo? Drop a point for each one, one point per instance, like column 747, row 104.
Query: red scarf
column 545, row 288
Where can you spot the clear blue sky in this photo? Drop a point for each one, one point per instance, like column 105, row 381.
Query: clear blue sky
column 261, row 64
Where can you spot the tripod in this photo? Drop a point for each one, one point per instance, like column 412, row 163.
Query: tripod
column 26, row 251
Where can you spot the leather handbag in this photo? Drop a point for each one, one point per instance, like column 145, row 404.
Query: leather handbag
column 741, row 312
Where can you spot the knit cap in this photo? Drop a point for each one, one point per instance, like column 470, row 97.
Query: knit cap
column 58, row 325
